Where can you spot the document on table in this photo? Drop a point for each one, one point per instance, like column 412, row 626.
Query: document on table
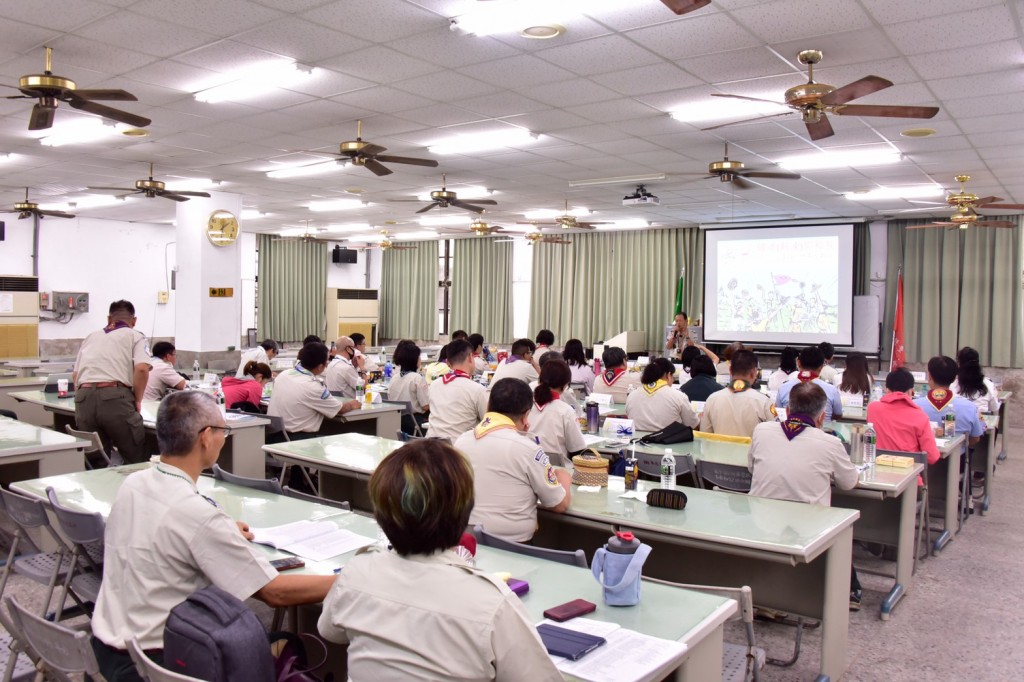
column 314, row 540
column 627, row 655
column 591, row 439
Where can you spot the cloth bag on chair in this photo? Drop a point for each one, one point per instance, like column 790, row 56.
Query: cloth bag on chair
column 619, row 574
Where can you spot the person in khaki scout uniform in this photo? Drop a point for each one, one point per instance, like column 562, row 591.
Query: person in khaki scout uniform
column 111, row 373
column 656, row 404
column 520, row 363
column 511, row 472
column 739, row 408
column 615, row 379
column 342, row 375
column 457, row 402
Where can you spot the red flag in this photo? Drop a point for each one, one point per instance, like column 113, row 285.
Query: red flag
column 899, row 356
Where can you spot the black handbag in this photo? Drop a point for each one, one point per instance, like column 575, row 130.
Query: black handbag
column 676, row 432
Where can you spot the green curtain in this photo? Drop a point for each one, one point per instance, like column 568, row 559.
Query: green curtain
column 292, row 285
column 961, row 288
column 481, row 293
column 861, row 260
column 605, row 283
column 408, row 296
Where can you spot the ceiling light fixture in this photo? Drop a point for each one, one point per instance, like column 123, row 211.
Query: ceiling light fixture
column 299, row 231
column 254, row 214
column 548, row 213
column 255, row 80
column 514, row 16
column 79, row 131
column 469, row 192
column 453, row 219
column 186, row 184
column 337, row 204
column 731, row 109
column 83, row 202
column 918, row 132
column 542, row 31
column 477, row 142
column 347, row 227
column 413, row 235
column 304, row 170
column 909, row 192
column 840, row 159
column 620, row 180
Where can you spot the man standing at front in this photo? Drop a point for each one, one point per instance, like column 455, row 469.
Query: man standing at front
column 110, row 376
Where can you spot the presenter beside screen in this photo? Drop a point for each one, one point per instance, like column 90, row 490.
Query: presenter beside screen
column 678, row 335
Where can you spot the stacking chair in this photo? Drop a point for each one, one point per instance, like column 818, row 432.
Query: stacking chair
column 650, row 464
column 577, row 558
column 85, row 532
column 270, row 485
column 62, row 652
column 16, row 660
column 95, row 447
column 580, row 389
column 739, row 663
column 299, row 495
column 924, row 531
column 729, row 477
column 151, row 671
column 10, row 414
column 409, row 424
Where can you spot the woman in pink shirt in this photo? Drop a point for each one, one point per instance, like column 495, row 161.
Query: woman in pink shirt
column 900, row 424
column 248, row 389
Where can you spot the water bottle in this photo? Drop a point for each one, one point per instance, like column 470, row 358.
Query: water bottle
column 949, row 424
column 870, row 438
column 387, row 372
column 876, row 392
column 195, row 370
column 360, row 390
column 618, row 566
column 632, row 473
column 668, row 470
column 593, row 417
column 597, row 366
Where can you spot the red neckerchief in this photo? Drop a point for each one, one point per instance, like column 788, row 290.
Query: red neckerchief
column 796, row 423
column 116, row 325
column 555, row 395
column 610, row 376
column 807, row 375
column 940, row 397
column 453, row 375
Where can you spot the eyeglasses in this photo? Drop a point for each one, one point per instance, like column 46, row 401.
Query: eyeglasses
column 225, row 429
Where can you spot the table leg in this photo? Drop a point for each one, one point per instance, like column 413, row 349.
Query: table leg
column 247, row 458
column 388, row 424
column 950, row 521
column 990, row 471
column 905, row 549
column 835, row 621
column 704, row 660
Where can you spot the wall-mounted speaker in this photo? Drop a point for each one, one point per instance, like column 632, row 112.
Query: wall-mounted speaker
column 341, row 255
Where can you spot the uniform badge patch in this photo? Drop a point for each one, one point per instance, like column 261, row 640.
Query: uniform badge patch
column 552, row 479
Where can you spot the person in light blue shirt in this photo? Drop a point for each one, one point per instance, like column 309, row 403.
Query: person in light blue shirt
column 940, row 399
column 810, row 361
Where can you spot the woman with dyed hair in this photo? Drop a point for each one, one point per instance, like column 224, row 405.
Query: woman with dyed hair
column 407, row 613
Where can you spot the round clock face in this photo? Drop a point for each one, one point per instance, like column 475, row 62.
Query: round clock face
column 222, row 228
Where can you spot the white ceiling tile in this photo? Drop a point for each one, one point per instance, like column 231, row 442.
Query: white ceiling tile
column 145, row 34
column 985, row 124
column 516, row 72
column 974, row 86
column 550, row 120
column 374, row 20
column 148, row 94
column 1004, row 55
column 639, row 13
column 1010, row 102
column 840, row 49
column 438, row 115
column 501, row 104
column 696, row 34
column 380, row 64
column 290, row 6
column 614, row 110
column 645, row 80
column 228, row 56
column 445, row 86
column 590, row 57
column 302, row 40
column 171, row 74
column 382, row 99
column 793, row 19
column 70, row 52
column 327, row 83
column 442, row 46
column 591, row 134
column 224, row 17
column 736, row 65
column 889, row 12
column 19, row 37
column 566, row 93
column 578, row 28
column 55, row 15
column 977, row 27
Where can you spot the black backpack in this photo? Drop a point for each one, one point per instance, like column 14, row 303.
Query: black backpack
column 676, row 432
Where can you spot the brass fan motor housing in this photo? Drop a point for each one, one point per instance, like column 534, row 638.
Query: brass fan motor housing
column 961, row 199
column 41, row 83
column 149, row 185
column 26, row 206
column 807, row 93
column 567, row 222
column 725, row 169
column 352, row 147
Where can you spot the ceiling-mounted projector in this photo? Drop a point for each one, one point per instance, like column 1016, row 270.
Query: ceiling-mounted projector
column 640, row 198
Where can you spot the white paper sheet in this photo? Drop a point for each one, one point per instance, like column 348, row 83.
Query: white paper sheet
column 627, row 655
column 323, row 547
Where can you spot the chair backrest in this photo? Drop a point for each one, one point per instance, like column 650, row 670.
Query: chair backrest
column 276, row 425
column 308, row 497
column 270, row 485
column 919, row 458
column 24, row 511
column 79, row 527
column 91, row 437
column 63, row 651
column 650, row 464
column 151, row 671
column 725, row 476
column 10, row 414
column 577, row 558
column 580, row 388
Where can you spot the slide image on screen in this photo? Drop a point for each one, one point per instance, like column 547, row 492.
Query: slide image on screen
column 779, row 285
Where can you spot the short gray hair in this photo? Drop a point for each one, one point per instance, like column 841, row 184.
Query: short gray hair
column 182, row 415
column 807, row 398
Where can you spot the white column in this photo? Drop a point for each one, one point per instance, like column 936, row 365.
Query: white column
column 204, row 323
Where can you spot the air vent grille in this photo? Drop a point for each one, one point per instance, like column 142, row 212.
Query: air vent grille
column 21, row 283
column 357, row 294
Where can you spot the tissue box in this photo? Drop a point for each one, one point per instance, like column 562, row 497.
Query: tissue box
column 895, row 461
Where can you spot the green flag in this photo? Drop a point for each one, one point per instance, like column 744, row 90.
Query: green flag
column 679, row 293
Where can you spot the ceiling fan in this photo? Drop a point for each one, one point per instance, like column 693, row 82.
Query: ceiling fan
column 49, row 89
column 370, row 156
column 567, row 221
column 443, row 199
column 26, row 208
column 307, row 237
column 966, row 205
column 814, row 100
column 736, row 172
column 153, row 188
column 384, row 244
column 537, row 237
column 685, row 6
column 479, row 227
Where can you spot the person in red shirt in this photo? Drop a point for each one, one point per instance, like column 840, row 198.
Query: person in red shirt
column 248, row 389
column 899, row 423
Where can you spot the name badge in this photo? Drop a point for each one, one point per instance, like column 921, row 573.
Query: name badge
column 852, row 399
column 601, row 398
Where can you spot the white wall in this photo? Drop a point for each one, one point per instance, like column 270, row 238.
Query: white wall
column 353, row 275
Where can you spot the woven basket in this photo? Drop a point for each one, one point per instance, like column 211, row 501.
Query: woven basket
column 590, row 469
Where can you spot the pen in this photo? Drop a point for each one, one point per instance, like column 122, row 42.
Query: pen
column 338, row 569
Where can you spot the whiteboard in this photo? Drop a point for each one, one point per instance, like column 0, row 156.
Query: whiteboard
column 866, row 315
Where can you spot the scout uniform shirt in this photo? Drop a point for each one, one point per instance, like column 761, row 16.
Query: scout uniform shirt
column 410, row 387
column 257, row 354
column 834, row 405
column 301, row 400
column 510, row 474
column 652, row 407
column 801, row 469
column 736, row 410
column 616, row 382
column 556, row 428
column 162, row 378
column 516, row 368
column 938, row 401
column 457, row 403
column 341, row 377
column 111, row 356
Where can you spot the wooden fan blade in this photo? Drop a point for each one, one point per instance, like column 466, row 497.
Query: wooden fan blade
column 486, row 202
column 554, row 240
column 407, row 201
column 55, row 214
column 109, row 112
column 888, row 110
column 174, row 196
column 377, row 168
column 115, row 189
column 821, row 129
column 404, row 247
column 408, row 160
column 981, row 201
column 110, row 95
column 685, row 6
column 192, row 194
column 42, row 117
column 855, row 90
column 779, row 175
column 426, row 208
column 917, row 227
column 589, row 224
column 1014, row 207
column 740, row 183
column 372, row 150
column 531, row 222
column 994, row 223
column 468, row 207
column 749, row 99
column 747, row 120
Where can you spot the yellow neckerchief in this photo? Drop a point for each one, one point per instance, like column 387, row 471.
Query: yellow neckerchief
column 738, row 386
column 493, row 421
column 651, row 389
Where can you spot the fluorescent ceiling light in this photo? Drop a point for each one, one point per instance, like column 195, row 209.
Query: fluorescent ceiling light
column 79, row 131
column 626, row 224
column 621, row 180
column 187, row 184
column 717, row 108
column 254, row 214
column 547, row 213
column 413, row 235
column 477, row 142
column 370, row 237
column 309, row 169
column 512, row 16
column 347, row 227
column 451, row 219
column 840, row 159
column 337, row 204
column 256, row 80
column 83, row 202
column 299, row 231
column 909, row 192
column 470, row 192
